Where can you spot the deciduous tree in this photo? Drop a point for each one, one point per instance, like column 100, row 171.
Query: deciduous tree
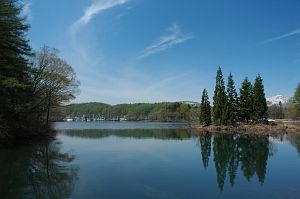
column 54, row 80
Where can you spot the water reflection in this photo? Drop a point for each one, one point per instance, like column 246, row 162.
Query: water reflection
column 39, row 171
column 233, row 151
column 230, row 153
column 295, row 141
column 164, row 134
column 118, row 167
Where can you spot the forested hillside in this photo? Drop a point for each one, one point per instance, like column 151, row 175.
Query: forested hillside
column 166, row 111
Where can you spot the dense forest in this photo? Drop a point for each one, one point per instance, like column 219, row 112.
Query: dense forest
column 289, row 110
column 229, row 107
column 33, row 84
column 167, row 111
column 247, row 106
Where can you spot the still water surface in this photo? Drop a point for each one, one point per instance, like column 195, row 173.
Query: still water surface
column 152, row 160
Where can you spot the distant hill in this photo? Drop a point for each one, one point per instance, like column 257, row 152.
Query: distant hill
column 164, row 111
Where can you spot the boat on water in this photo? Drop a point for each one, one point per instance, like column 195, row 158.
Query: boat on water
column 123, row 119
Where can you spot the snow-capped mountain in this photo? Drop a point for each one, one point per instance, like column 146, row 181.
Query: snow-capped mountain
column 276, row 99
column 194, row 104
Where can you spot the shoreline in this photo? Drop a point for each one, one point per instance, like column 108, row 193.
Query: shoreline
column 251, row 128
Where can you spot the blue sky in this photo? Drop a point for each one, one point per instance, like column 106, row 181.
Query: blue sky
column 127, row 51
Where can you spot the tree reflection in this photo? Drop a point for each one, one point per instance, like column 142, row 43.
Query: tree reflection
column 164, row 134
column 295, row 141
column 233, row 151
column 205, row 144
column 39, row 171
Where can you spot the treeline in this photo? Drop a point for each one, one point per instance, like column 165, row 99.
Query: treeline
column 32, row 84
column 165, row 111
column 229, row 107
column 289, row 110
column 293, row 106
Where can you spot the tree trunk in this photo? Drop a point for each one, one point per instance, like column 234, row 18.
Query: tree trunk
column 48, row 109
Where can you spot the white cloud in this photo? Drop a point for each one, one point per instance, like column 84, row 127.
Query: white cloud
column 175, row 36
column 96, row 7
column 294, row 32
column 26, row 11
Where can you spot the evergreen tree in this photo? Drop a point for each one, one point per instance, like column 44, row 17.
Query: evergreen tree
column 205, row 109
column 246, row 100
column 232, row 105
column 219, row 99
column 259, row 100
column 14, row 69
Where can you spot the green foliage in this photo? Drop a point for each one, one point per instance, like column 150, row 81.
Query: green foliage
column 183, row 109
column 246, row 100
column 233, row 101
column 219, row 99
column 165, row 111
column 14, row 70
column 15, row 86
column 30, row 86
column 54, row 80
column 294, row 104
column 205, row 109
column 259, row 100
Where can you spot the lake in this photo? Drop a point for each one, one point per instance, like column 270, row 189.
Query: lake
column 151, row 160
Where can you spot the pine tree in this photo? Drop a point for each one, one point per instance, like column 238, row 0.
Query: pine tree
column 14, row 69
column 205, row 109
column 219, row 99
column 246, row 100
column 232, row 105
column 259, row 100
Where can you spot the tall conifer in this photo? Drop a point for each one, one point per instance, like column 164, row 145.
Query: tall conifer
column 14, row 50
column 259, row 100
column 219, row 99
column 246, row 100
column 232, row 105
column 205, row 109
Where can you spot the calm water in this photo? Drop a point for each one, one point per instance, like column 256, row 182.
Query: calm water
column 151, row 160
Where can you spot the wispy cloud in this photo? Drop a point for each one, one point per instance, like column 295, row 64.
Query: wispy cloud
column 96, row 7
column 128, row 88
column 294, row 32
column 26, row 11
column 175, row 36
